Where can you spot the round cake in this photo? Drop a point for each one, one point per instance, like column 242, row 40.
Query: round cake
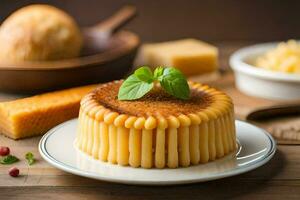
column 157, row 130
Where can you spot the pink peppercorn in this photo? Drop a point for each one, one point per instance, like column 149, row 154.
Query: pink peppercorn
column 4, row 151
column 14, row 172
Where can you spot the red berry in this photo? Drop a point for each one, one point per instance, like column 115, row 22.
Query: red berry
column 4, row 151
column 14, row 172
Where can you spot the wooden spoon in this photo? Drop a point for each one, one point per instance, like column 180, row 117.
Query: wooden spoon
column 99, row 36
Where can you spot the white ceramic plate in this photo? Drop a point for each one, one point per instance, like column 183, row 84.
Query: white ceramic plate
column 256, row 147
column 260, row 82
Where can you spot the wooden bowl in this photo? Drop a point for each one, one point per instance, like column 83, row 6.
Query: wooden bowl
column 96, row 64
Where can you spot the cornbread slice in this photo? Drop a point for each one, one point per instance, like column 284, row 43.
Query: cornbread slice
column 35, row 115
column 190, row 56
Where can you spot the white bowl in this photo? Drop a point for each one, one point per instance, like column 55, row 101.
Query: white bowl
column 260, row 82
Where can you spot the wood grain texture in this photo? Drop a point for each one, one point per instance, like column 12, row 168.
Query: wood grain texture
column 226, row 189
column 278, row 179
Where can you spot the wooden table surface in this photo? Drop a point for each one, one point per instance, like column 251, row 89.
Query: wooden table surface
column 278, row 179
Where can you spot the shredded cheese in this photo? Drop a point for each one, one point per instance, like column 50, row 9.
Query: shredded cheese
column 284, row 58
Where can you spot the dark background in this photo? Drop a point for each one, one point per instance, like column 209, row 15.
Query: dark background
column 211, row 20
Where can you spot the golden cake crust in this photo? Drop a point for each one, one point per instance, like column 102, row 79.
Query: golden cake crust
column 150, row 112
column 156, row 103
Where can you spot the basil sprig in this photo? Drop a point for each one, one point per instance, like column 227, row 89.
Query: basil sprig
column 9, row 159
column 142, row 81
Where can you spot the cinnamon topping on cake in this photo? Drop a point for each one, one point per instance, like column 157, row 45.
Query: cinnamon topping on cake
column 157, row 102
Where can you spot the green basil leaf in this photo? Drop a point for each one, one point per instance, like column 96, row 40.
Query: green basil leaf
column 174, row 82
column 173, row 71
column 9, row 159
column 158, row 72
column 144, row 74
column 30, row 158
column 133, row 88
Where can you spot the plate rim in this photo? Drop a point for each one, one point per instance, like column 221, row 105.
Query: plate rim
column 70, row 169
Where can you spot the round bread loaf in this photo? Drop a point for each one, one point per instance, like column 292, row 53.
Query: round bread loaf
column 39, row 33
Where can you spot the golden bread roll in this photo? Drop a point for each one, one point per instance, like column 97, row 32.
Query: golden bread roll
column 39, row 33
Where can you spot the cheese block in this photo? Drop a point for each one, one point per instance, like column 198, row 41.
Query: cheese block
column 35, row 115
column 190, row 56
